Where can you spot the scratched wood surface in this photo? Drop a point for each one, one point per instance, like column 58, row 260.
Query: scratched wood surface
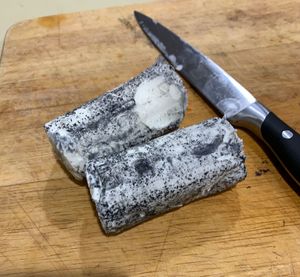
column 50, row 65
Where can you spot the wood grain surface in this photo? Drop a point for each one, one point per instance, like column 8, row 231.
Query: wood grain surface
column 50, row 65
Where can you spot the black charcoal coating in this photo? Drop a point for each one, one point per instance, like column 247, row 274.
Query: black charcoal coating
column 110, row 123
column 165, row 173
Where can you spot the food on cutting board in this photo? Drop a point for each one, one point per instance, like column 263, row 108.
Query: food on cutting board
column 147, row 106
column 132, row 186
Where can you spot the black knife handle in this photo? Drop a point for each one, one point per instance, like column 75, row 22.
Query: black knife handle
column 281, row 138
column 284, row 142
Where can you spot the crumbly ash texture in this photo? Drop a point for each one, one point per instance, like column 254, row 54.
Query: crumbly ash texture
column 165, row 173
column 147, row 106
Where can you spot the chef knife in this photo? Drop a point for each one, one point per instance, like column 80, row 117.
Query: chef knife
column 229, row 98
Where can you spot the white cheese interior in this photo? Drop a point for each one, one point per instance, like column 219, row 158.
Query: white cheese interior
column 158, row 103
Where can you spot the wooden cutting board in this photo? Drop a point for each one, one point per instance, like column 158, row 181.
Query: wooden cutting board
column 50, row 65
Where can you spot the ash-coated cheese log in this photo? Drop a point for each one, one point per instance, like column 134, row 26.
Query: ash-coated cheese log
column 147, row 106
column 165, row 173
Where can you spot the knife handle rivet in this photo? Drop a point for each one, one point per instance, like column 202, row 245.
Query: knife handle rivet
column 287, row 134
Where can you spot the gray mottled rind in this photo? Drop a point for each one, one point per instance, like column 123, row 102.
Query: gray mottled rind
column 165, row 173
column 112, row 123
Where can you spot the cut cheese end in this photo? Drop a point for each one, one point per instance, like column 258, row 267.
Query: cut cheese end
column 145, row 107
column 165, row 173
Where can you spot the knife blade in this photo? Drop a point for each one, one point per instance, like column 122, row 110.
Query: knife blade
column 227, row 96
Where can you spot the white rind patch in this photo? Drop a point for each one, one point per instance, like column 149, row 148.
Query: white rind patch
column 158, row 103
column 95, row 194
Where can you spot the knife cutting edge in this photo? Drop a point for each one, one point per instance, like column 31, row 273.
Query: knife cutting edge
column 229, row 98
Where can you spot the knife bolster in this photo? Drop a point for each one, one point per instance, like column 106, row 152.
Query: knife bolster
column 251, row 118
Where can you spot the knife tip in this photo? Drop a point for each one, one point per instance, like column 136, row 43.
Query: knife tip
column 139, row 16
column 136, row 13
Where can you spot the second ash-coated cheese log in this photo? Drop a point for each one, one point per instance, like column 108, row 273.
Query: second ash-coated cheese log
column 145, row 107
column 165, row 173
